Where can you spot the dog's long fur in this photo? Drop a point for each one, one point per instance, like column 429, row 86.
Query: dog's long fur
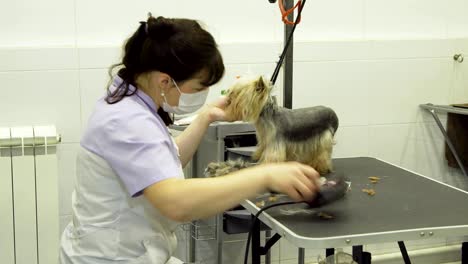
column 304, row 135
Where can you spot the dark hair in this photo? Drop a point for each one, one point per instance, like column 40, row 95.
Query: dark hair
column 180, row 48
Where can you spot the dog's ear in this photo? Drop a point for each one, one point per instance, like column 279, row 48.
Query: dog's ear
column 260, row 85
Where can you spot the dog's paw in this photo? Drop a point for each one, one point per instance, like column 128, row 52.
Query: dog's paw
column 215, row 169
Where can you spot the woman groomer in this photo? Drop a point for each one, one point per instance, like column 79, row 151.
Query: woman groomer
column 130, row 191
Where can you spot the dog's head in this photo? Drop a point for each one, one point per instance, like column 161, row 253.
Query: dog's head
column 247, row 97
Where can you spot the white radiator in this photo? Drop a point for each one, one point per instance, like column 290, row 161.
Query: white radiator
column 29, row 222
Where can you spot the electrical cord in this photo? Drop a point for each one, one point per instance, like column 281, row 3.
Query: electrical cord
column 255, row 219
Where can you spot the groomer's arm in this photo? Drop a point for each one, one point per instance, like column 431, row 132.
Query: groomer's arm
column 189, row 140
column 185, row 200
column 197, row 198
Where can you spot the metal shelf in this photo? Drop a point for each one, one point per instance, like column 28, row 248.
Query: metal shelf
column 447, row 109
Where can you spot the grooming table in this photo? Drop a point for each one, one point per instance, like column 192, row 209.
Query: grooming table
column 406, row 206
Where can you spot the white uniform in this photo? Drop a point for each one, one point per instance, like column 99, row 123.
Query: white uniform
column 125, row 148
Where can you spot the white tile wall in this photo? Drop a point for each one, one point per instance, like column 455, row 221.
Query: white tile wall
column 391, row 143
column 37, row 59
column 459, row 85
column 99, row 57
column 331, row 20
column 93, row 85
column 41, row 98
column 37, row 23
column 118, row 18
column 352, row 141
column 399, row 86
column 85, row 22
column 402, row 19
column 457, row 22
column 411, row 49
column 338, row 84
column 307, row 51
column 246, row 53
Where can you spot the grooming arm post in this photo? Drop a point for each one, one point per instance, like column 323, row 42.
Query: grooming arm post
column 288, row 60
column 287, row 54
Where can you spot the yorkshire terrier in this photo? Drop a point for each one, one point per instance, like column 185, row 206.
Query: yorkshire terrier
column 304, row 135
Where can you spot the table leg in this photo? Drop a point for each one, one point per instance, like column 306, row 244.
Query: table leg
column 404, row 253
column 192, row 243
column 366, row 258
column 464, row 253
column 268, row 254
column 256, row 242
column 360, row 256
column 301, row 256
column 219, row 237
column 357, row 254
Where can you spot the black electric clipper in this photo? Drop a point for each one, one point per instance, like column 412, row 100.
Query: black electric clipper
column 332, row 190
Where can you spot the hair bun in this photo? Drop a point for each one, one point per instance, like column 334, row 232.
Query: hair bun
column 160, row 28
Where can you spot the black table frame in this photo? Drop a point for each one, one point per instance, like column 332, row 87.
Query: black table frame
column 357, row 240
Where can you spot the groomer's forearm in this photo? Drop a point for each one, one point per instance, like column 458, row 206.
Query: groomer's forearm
column 189, row 140
column 198, row 198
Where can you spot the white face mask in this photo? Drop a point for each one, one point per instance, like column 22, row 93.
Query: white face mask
column 188, row 103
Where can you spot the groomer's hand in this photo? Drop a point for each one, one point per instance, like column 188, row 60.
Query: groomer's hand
column 216, row 110
column 298, row 181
